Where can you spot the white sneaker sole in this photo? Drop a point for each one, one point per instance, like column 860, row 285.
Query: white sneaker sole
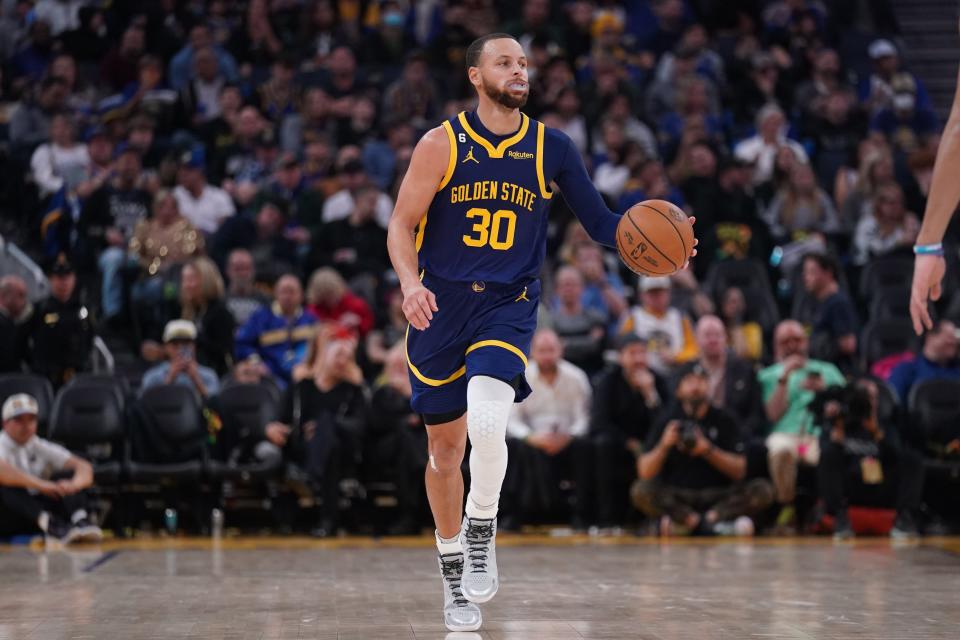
column 472, row 627
column 482, row 598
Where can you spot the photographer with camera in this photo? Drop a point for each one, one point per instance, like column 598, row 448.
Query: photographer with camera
column 692, row 470
column 862, row 461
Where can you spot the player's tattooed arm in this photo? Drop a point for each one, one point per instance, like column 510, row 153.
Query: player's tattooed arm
column 427, row 168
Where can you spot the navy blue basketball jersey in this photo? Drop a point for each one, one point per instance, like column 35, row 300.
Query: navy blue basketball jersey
column 488, row 220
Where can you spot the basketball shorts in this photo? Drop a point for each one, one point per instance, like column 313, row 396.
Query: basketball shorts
column 480, row 328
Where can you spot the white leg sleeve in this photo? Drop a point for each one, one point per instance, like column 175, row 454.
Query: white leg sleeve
column 488, row 408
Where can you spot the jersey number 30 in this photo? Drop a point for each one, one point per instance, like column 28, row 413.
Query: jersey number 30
column 496, row 230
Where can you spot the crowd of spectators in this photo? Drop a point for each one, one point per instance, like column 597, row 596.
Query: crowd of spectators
column 210, row 183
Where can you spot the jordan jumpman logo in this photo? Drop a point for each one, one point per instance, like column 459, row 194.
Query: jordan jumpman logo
column 470, row 156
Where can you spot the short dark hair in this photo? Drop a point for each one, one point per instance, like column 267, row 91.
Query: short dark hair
column 476, row 47
column 825, row 262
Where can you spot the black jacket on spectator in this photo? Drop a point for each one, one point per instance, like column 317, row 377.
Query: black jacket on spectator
column 12, row 345
column 619, row 411
column 351, row 250
column 105, row 208
column 60, row 339
column 742, row 396
column 271, row 256
column 215, row 331
column 687, row 472
column 833, row 318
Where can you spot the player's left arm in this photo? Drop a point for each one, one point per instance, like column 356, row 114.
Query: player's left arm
column 579, row 191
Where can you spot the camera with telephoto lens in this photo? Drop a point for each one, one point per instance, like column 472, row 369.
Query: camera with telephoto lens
column 688, row 434
column 855, row 406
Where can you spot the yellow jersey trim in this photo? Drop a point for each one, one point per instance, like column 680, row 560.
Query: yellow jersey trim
column 424, row 379
column 544, row 191
column 503, row 345
column 498, row 151
column 452, row 162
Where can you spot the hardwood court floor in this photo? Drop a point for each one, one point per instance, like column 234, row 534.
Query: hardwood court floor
column 553, row 589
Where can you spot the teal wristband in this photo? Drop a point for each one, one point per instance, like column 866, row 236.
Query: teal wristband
column 928, row 249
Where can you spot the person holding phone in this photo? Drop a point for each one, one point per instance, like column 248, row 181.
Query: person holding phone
column 788, row 387
column 181, row 367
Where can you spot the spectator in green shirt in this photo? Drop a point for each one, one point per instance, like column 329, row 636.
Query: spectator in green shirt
column 788, row 387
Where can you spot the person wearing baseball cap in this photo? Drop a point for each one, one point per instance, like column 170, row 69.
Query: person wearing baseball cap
column 181, row 367
column 61, row 331
column 41, row 483
column 668, row 331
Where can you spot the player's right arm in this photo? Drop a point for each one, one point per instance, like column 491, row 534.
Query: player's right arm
column 941, row 203
column 427, row 167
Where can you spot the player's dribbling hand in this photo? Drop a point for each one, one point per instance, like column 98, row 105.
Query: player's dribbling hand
column 693, row 253
column 419, row 303
column 927, row 275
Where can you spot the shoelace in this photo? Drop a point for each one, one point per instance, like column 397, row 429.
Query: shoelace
column 452, row 571
column 478, row 538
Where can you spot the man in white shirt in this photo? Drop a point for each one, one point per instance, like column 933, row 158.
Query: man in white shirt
column 547, row 431
column 205, row 206
column 341, row 204
column 761, row 149
column 41, row 483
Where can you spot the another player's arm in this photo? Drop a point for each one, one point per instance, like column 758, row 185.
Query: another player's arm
column 941, row 203
column 427, row 168
column 581, row 194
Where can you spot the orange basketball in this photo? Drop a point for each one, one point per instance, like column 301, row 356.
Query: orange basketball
column 654, row 238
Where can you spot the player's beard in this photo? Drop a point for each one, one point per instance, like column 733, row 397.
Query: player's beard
column 503, row 97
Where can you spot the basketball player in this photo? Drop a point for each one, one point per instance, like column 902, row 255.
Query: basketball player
column 929, row 265
column 467, row 240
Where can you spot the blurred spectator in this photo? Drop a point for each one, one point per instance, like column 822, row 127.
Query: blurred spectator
column 238, row 162
column 202, row 303
column 160, row 243
column 183, row 62
column 397, row 444
column 342, row 204
column 744, row 337
column 107, row 223
column 603, row 289
column 906, row 124
column 30, row 120
column 61, row 15
column 413, row 97
column 937, row 359
column 15, row 309
column 886, row 228
column 835, row 326
column 666, row 330
column 326, row 333
column 88, row 42
column 217, row 132
column 825, row 79
column 389, row 331
column 62, row 162
column 857, row 196
column 30, row 62
column 289, row 185
column 15, row 22
column 627, row 398
column 355, row 245
column 320, row 31
column 203, row 204
column 707, row 62
column 279, row 95
column 876, row 92
column 101, row 165
column 82, row 95
column 309, row 124
column 566, row 117
column 263, row 235
column 198, row 100
column 836, row 132
column 801, row 206
column 731, row 382
column 42, row 485
column 279, row 333
column 582, row 330
column 322, row 421
column 381, row 157
column 788, row 387
column 166, row 238
column 692, row 469
column 761, row 148
column 120, row 67
column 863, row 462
column 181, row 366
column 693, row 110
column 243, row 298
column 329, row 299
column 61, row 331
column 766, row 86
column 343, row 85
column 619, row 112
column 550, row 427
